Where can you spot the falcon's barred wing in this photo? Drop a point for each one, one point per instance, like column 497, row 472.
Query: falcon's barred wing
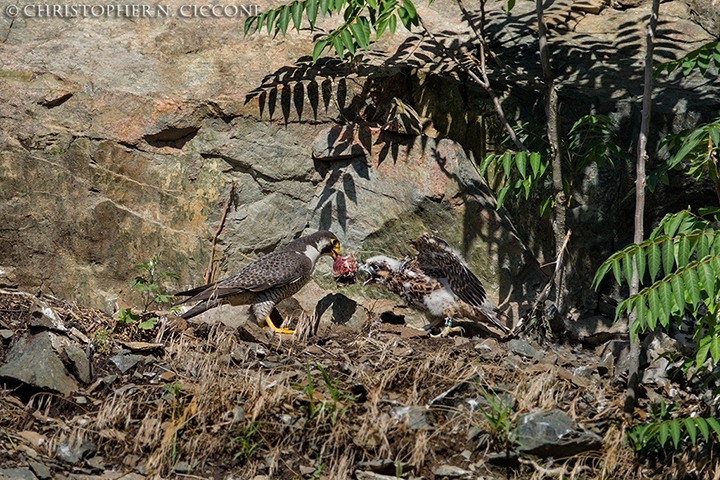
column 439, row 260
column 466, row 285
column 274, row 269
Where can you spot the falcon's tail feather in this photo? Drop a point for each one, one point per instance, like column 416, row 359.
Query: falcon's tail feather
column 488, row 311
column 192, row 292
column 201, row 307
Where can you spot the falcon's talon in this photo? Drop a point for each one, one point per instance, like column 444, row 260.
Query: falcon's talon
column 447, row 331
column 275, row 329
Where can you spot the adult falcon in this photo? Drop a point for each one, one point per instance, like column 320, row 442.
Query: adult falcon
column 437, row 282
column 268, row 280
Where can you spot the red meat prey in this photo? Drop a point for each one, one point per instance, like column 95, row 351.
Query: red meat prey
column 344, row 268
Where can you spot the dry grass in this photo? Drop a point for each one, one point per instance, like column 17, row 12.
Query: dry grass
column 291, row 410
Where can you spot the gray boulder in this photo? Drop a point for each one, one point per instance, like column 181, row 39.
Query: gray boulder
column 554, row 434
column 33, row 362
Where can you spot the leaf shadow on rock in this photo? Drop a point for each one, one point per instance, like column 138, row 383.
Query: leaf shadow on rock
column 299, row 83
column 338, row 189
column 594, row 73
column 520, row 273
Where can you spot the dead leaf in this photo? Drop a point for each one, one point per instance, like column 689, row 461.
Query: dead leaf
column 142, row 346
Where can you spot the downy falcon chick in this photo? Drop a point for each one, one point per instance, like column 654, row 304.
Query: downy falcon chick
column 437, row 282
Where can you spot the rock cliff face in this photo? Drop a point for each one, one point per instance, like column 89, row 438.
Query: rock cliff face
column 121, row 138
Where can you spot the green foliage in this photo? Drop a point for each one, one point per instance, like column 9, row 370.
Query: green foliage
column 102, row 339
column 361, row 18
column 244, row 439
column 663, row 432
column 152, row 294
column 320, row 409
column 700, row 59
column 499, row 419
column 174, row 390
column 317, row 474
column 127, row 317
column 513, row 168
column 695, row 149
column 685, row 249
column 148, row 286
column 590, row 140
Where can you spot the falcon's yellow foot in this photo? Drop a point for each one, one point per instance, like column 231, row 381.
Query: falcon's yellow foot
column 275, row 329
column 448, row 329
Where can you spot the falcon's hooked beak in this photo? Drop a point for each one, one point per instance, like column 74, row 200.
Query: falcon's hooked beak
column 335, row 249
column 374, row 274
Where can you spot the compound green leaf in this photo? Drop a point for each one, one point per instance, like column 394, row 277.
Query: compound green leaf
column 319, row 47
column 703, row 427
column 666, row 300
column 691, row 286
column 671, row 226
column 311, row 9
column 249, row 24
column 707, row 278
column 535, row 163
column 691, row 429
column 283, row 19
column 653, row 260
column 641, row 314
column 655, row 308
column 411, row 12
column 683, row 251
column 715, row 349
column 270, row 20
column 325, row 7
column 485, row 164
column 297, row 11
column 348, row 42
column 617, row 272
column 664, row 433
column 338, row 44
column 702, row 352
column 507, row 164
column 668, row 256
column 675, row 432
column 361, row 31
column 703, row 245
column 501, row 195
column 715, row 426
column 628, row 268
column 521, row 162
column 678, row 290
column 640, row 263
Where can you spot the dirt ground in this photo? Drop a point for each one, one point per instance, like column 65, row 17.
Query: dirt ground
column 209, row 401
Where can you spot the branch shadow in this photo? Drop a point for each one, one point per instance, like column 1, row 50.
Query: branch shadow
column 594, row 75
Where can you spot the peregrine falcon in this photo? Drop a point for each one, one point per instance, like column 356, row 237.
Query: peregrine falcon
column 268, row 280
column 437, row 282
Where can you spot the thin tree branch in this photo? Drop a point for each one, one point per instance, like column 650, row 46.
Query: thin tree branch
column 484, row 83
column 558, row 266
column 485, row 50
column 211, row 267
column 640, row 180
column 553, row 131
